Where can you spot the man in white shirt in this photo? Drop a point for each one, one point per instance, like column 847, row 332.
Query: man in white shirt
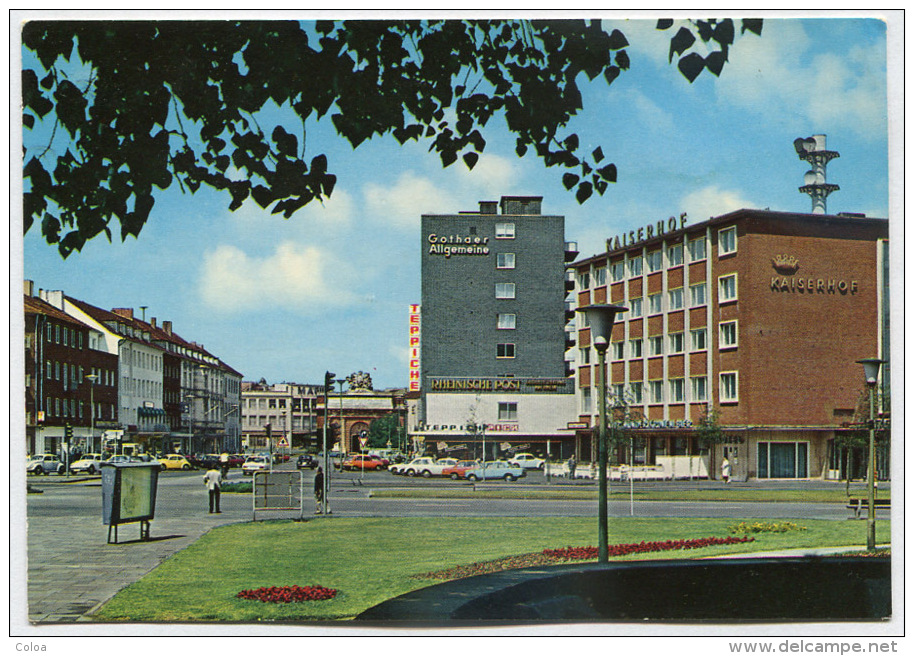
column 213, row 481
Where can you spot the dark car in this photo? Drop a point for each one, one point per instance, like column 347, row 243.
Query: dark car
column 236, row 460
column 306, row 460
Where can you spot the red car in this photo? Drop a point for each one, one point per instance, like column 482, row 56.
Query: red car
column 460, row 469
column 360, row 462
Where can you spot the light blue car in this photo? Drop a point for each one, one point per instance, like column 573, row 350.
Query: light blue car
column 497, row 469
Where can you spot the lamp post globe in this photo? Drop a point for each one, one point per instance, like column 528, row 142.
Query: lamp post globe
column 871, row 374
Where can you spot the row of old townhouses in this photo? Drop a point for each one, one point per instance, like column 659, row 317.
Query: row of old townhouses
column 101, row 380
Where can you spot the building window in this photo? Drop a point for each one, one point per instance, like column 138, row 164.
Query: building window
column 583, row 279
column 654, row 303
column 677, row 390
column 656, row 344
column 699, row 339
column 505, row 260
column 507, row 321
column 674, row 255
column 697, row 249
column 618, row 271
column 504, row 290
column 507, row 411
column 726, row 288
column 618, row 350
column 656, row 387
column 616, row 394
column 728, row 334
column 637, row 393
column 635, row 308
column 585, row 355
column 654, row 261
column 783, row 459
column 504, row 231
column 726, row 241
column 635, row 347
column 698, row 294
column 700, row 388
column 505, row 351
column 599, row 276
column 634, row 266
column 729, row 387
column 586, row 405
column 676, row 298
column 676, row 343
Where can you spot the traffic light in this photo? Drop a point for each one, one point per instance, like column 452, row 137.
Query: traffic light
column 328, row 382
column 269, row 429
column 68, row 431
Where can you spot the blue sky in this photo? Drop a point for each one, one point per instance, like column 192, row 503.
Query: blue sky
column 329, row 288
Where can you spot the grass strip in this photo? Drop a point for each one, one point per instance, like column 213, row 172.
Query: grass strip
column 370, row 560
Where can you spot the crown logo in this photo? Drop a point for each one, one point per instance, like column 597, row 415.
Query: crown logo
column 785, row 263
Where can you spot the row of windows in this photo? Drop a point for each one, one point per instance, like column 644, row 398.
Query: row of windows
column 143, row 388
column 675, row 300
column 73, row 375
column 670, row 391
column 73, row 408
column 654, row 260
column 675, row 342
column 252, row 422
column 63, row 335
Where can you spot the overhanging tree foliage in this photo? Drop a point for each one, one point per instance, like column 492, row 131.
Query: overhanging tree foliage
column 386, row 429
column 117, row 110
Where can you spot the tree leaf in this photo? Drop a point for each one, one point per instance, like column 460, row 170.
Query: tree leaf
column 681, row 42
column 570, row 180
column 664, row 24
column 585, row 191
column 691, row 66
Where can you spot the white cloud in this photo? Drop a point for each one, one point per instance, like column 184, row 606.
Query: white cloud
column 334, row 213
column 713, row 201
column 778, row 74
column 401, row 205
column 293, row 276
column 491, row 176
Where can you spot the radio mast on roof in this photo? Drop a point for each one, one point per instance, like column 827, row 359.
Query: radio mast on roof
column 812, row 149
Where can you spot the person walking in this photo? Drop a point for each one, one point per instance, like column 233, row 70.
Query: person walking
column 725, row 470
column 213, row 482
column 319, row 490
column 224, row 464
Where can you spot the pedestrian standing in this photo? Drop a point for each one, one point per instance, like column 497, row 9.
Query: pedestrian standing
column 224, row 464
column 213, row 481
column 319, row 490
column 725, row 470
column 572, row 465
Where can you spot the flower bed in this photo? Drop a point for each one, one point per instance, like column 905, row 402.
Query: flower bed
column 288, row 594
column 765, row 527
column 559, row 556
column 588, row 553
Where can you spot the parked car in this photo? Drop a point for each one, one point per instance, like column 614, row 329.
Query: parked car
column 46, row 463
column 425, row 466
column 306, row 461
column 527, row 461
column 336, row 457
column 497, row 469
column 255, row 463
column 385, row 463
column 147, row 458
column 90, row 463
column 460, row 469
column 173, row 461
column 358, row 462
column 236, row 460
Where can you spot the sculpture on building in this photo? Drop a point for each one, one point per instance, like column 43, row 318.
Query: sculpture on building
column 360, row 382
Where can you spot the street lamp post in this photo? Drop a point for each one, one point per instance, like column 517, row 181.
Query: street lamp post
column 344, row 441
column 92, row 378
column 600, row 318
column 871, row 373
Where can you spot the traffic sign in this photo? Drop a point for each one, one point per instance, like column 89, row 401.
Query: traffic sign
column 283, row 443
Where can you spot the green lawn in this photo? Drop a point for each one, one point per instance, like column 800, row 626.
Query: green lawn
column 370, row 560
column 620, row 491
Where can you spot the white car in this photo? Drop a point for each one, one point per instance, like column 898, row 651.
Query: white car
column 425, row 466
column 527, row 461
column 90, row 463
column 255, row 463
column 497, row 469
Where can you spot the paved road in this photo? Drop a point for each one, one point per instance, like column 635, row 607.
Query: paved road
column 72, row 569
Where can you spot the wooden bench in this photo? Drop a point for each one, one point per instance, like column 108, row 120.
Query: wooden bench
column 859, row 505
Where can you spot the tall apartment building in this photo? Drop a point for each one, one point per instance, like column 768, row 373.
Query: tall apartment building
column 492, row 365
column 758, row 315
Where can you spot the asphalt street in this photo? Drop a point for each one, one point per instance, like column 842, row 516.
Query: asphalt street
column 72, row 569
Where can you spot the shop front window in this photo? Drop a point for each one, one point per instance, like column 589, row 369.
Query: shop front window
column 783, row 459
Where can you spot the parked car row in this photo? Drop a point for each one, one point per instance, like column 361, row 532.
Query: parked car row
column 471, row 470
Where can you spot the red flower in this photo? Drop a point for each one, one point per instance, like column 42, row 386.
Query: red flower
column 588, row 553
column 288, row 594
